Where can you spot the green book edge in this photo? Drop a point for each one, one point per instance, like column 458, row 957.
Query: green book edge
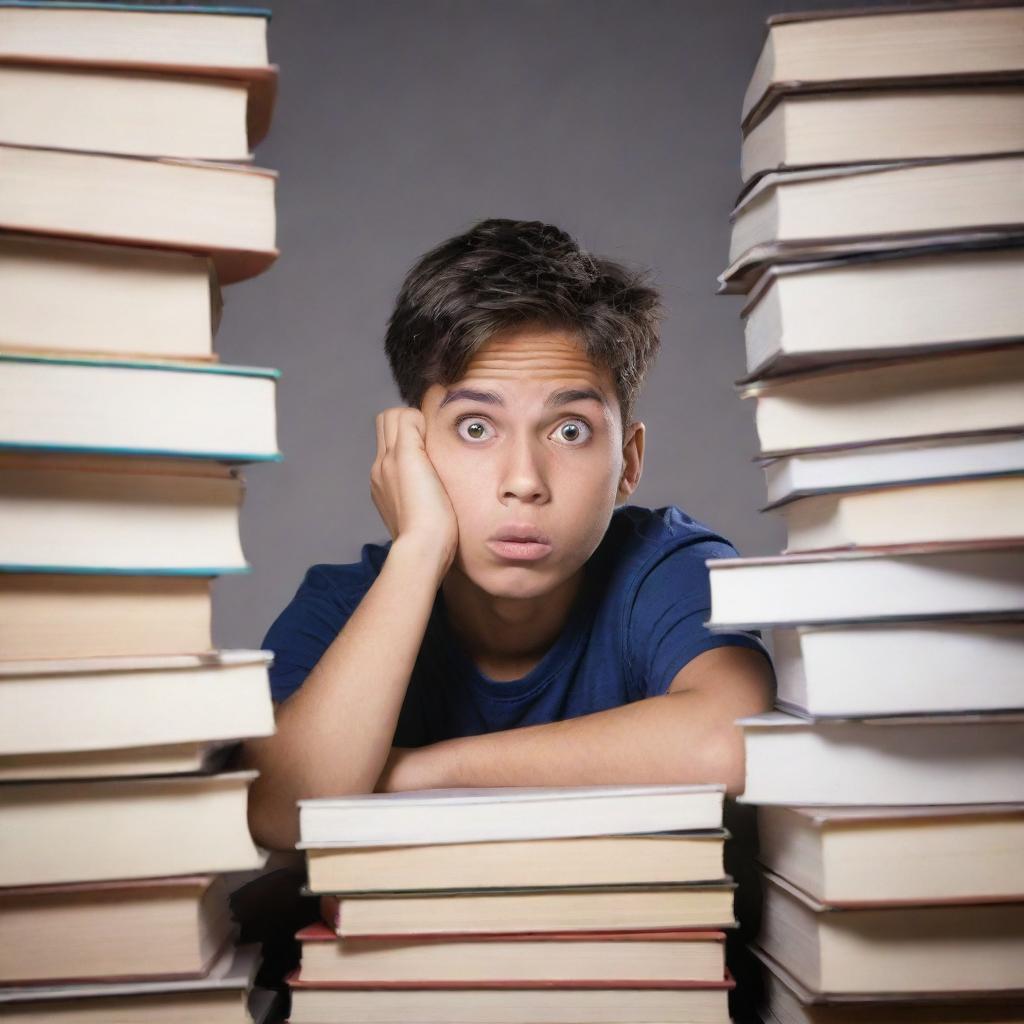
column 144, row 364
column 83, row 449
column 67, row 5
column 107, row 570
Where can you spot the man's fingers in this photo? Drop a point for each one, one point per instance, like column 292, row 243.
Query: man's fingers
column 391, row 428
column 411, row 428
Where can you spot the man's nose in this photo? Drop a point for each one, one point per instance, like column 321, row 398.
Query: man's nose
column 524, row 477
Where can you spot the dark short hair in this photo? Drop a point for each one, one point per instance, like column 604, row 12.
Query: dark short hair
column 509, row 273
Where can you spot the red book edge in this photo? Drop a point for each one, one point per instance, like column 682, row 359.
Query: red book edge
column 319, row 932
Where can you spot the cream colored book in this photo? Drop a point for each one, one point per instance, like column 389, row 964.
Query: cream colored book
column 124, row 113
column 115, row 299
column 157, row 926
column 863, row 46
column 795, row 476
column 88, row 615
column 106, row 704
column 874, row 125
column 858, row 856
column 609, row 1004
column 223, row 210
column 62, row 513
column 789, row 1002
column 118, row 407
column 899, row 668
column 136, row 828
column 659, row 956
column 664, row 858
column 872, row 201
column 218, row 997
column 931, row 397
column 913, row 950
column 804, row 315
column 885, row 762
column 532, row 910
column 435, row 816
column 135, row 34
column 868, row 586
column 989, row 508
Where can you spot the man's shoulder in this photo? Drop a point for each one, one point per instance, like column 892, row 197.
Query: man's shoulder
column 346, row 582
column 639, row 538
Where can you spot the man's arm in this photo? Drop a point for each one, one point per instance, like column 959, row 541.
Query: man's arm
column 334, row 734
column 687, row 735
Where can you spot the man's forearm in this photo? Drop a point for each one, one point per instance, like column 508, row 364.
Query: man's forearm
column 334, row 734
column 684, row 737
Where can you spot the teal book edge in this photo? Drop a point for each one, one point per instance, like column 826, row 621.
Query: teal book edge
column 13, row 446
column 66, row 5
column 145, row 364
column 138, row 570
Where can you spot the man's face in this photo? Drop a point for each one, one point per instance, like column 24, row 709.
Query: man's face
column 530, row 447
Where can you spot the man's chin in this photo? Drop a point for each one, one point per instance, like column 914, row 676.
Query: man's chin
column 519, row 582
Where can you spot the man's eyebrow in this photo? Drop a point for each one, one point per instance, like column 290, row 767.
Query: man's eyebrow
column 558, row 398
column 569, row 395
column 486, row 397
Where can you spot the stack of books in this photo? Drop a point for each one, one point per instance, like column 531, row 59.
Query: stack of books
column 879, row 241
column 126, row 199
column 585, row 904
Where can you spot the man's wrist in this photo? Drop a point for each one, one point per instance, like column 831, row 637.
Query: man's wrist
column 423, row 556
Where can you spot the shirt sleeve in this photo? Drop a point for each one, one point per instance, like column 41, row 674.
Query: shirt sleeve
column 666, row 628
column 303, row 631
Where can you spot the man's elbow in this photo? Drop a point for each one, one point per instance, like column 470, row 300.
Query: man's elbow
column 273, row 824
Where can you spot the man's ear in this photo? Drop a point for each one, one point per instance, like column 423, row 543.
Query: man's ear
column 632, row 461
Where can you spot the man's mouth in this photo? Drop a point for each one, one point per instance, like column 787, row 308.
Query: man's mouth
column 520, row 544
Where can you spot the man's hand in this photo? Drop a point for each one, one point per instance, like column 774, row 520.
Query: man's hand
column 405, row 486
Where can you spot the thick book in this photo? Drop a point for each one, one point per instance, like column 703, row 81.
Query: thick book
column 63, row 513
column 899, row 668
column 860, row 856
column 806, row 315
column 122, row 407
column 103, row 706
column 868, row 585
column 218, row 997
column 124, row 113
column 547, row 909
column 91, row 615
column 924, row 398
column 874, row 125
column 870, row 201
column 793, row 476
column 988, row 508
column 884, row 761
column 567, row 1002
column 662, row 858
column 154, row 927
column 920, row 950
column 136, row 828
column 115, row 299
column 221, row 42
column 839, row 49
column 430, row 817
column 787, row 1001
column 223, row 210
column 697, row 956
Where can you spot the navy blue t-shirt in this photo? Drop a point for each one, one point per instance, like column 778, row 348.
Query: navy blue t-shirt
column 637, row 620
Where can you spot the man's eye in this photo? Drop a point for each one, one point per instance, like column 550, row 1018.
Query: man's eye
column 473, row 429
column 573, row 432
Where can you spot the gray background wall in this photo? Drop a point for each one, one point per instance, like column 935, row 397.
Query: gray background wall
column 400, row 124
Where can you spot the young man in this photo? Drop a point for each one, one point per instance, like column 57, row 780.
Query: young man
column 519, row 629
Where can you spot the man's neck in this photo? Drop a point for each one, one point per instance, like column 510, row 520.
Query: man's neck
column 506, row 637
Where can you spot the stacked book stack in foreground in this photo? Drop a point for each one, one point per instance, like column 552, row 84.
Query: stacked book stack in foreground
column 590, row 904
column 120, row 216
column 879, row 240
